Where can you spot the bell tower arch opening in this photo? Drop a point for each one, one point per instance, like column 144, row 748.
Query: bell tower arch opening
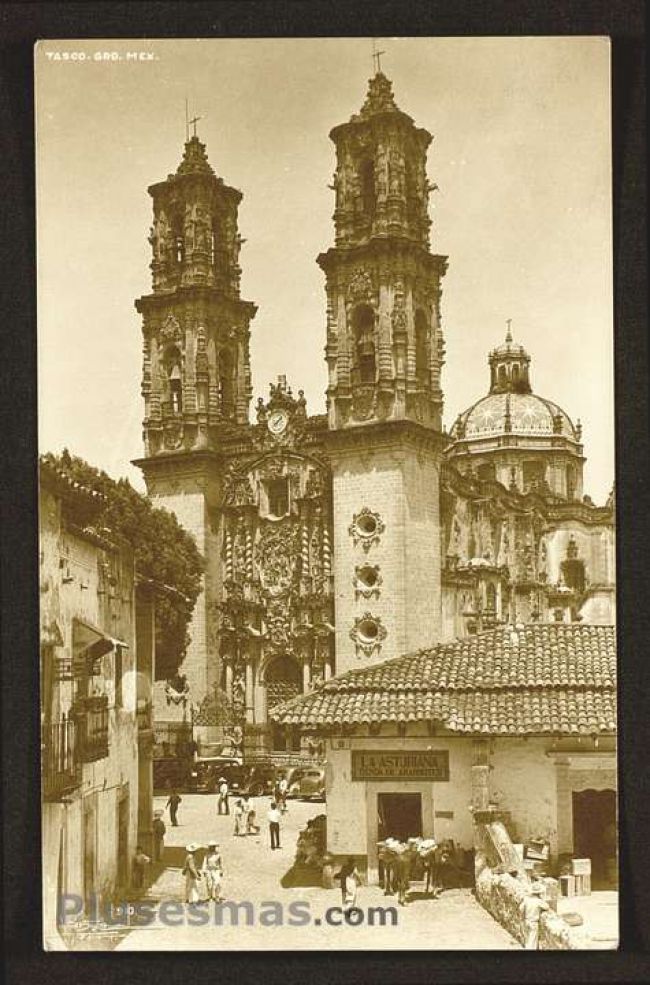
column 363, row 331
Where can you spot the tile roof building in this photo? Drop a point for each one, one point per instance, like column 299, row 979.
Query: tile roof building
column 527, row 680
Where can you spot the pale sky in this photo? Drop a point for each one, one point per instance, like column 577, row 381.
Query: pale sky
column 521, row 154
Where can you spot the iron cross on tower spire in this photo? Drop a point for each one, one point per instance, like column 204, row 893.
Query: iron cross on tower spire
column 189, row 123
column 376, row 56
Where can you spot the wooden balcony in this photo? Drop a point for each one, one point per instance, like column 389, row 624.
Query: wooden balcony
column 61, row 763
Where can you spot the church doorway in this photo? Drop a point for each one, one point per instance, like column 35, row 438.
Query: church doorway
column 283, row 682
column 399, row 815
column 594, row 834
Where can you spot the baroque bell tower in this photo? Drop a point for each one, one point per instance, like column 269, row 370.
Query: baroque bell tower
column 196, row 380
column 384, row 353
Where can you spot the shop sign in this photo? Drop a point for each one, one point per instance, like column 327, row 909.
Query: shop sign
column 429, row 764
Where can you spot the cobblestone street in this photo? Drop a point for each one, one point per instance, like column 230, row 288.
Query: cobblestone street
column 253, row 872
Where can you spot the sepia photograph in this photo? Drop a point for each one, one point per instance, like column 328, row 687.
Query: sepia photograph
column 327, row 565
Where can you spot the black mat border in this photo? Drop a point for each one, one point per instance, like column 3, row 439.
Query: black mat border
column 20, row 26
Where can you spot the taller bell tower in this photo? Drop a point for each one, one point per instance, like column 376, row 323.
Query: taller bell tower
column 384, row 353
column 196, row 380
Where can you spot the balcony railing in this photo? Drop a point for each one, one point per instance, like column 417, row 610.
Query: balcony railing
column 61, row 763
column 92, row 719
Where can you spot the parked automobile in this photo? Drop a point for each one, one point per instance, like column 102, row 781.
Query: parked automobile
column 312, row 784
column 206, row 772
column 293, row 776
column 257, row 781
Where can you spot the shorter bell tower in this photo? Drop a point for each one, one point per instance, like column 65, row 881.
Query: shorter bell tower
column 196, row 380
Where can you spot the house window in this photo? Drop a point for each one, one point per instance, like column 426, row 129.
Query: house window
column 278, row 497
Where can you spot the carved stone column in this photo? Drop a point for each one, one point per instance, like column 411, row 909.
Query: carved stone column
column 249, row 692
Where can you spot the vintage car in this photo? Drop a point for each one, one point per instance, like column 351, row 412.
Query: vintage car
column 206, row 772
column 293, row 776
column 312, row 784
column 256, row 780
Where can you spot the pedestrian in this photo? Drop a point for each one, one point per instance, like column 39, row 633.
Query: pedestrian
column 192, row 874
column 274, row 818
column 350, row 882
column 240, row 818
column 172, row 803
column 140, row 863
column 212, row 870
column 223, row 807
column 252, row 827
column 532, row 908
column 283, row 789
column 159, row 830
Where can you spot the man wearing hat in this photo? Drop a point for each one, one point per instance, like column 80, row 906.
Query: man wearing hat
column 159, row 830
column 223, row 807
column 212, row 871
column 532, row 907
column 192, row 874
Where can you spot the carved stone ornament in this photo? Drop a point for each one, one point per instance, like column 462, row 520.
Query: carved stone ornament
column 364, row 402
column 366, row 528
column 171, row 330
column 361, row 287
column 173, row 436
column 398, row 314
column 238, row 491
column 277, row 551
column 367, row 581
column 368, row 633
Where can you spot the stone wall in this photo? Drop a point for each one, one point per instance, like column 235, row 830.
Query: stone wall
column 502, row 894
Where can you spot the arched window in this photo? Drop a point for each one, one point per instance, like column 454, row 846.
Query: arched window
column 515, row 375
column 363, row 327
column 534, row 474
column 283, row 681
column 421, row 348
column 487, row 472
column 502, row 376
column 226, row 368
column 367, row 175
column 490, row 597
column 570, row 482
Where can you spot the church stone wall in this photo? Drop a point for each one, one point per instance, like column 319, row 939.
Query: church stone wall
column 400, row 487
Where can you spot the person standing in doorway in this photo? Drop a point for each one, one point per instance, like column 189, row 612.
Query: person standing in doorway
column 172, row 803
column 159, row 830
column 192, row 875
column 223, row 807
column 274, row 818
column 532, row 907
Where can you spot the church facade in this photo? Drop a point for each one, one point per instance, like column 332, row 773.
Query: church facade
column 335, row 541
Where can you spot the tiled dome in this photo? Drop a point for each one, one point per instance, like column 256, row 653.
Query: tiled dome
column 513, row 413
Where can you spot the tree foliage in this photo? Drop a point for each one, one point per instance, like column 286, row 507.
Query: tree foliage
column 165, row 553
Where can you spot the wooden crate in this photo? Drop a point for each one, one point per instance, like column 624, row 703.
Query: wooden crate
column 583, row 885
